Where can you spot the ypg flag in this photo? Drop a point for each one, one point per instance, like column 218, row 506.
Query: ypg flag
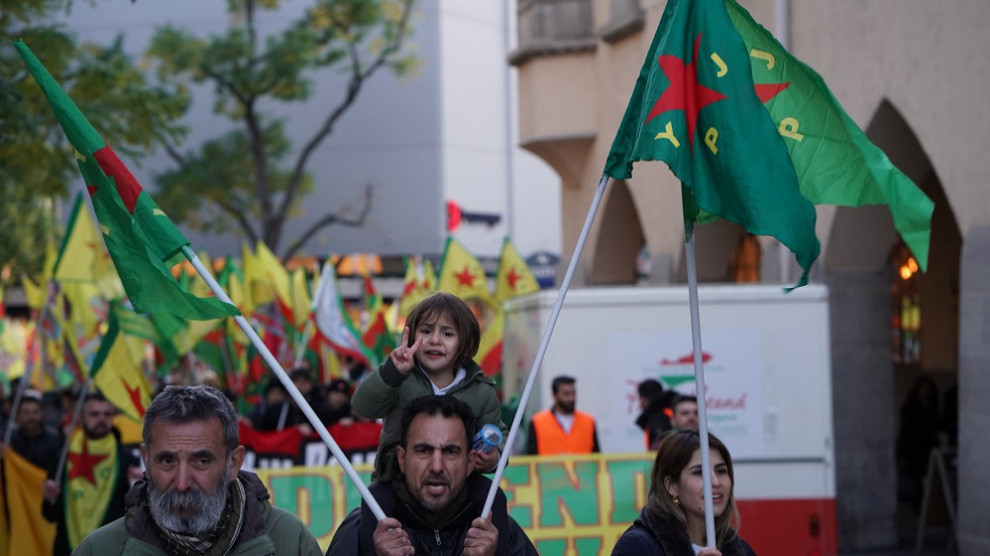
column 698, row 105
column 142, row 241
column 835, row 162
column 462, row 275
column 117, row 369
column 514, row 277
column 694, row 107
column 90, row 477
column 420, row 282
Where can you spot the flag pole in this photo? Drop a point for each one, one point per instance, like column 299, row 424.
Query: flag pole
column 294, row 392
column 301, row 350
column 699, row 384
column 72, row 427
column 25, row 378
column 524, row 398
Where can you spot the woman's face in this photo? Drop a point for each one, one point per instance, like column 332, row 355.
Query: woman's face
column 690, row 490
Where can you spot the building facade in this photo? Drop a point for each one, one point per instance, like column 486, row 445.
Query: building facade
column 914, row 75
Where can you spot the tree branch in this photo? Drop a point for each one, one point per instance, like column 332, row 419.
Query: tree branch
column 239, row 216
column 354, row 85
column 330, row 219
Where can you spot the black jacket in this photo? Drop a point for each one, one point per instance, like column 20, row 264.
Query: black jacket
column 354, row 536
column 668, row 537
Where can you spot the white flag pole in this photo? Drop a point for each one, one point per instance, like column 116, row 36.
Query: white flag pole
column 524, row 398
column 294, row 392
column 699, row 384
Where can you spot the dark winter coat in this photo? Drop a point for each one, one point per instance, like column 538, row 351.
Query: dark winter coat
column 668, row 537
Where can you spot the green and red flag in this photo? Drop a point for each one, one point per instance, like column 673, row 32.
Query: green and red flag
column 141, row 239
column 753, row 134
column 117, row 370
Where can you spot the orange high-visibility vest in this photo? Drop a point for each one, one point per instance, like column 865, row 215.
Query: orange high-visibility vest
column 551, row 438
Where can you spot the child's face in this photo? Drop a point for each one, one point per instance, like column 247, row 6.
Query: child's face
column 438, row 350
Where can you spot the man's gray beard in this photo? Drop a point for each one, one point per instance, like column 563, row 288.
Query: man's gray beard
column 202, row 510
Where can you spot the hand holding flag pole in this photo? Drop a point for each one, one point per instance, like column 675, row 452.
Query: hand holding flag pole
column 294, row 392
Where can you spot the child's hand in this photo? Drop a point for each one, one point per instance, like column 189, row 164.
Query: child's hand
column 485, row 461
column 404, row 356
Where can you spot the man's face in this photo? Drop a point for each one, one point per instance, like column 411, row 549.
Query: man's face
column 686, row 416
column 337, row 399
column 97, row 418
column 435, row 460
column 30, row 418
column 188, row 471
column 565, row 397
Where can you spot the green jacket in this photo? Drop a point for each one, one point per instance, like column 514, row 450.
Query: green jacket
column 266, row 529
column 387, row 391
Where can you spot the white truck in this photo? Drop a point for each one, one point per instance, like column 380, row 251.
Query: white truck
column 768, row 381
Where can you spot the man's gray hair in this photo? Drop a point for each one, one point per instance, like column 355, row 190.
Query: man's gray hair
column 188, row 404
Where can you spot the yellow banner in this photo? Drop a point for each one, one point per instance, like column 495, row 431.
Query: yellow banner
column 568, row 505
column 30, row 532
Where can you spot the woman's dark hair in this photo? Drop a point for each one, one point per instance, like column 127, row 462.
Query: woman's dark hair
column 673, row 455
column 447, row 304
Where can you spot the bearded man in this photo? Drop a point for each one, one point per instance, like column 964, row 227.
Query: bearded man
column 98, row 474
column 195, row 499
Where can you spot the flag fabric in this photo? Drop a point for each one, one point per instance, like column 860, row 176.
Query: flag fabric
column 835, row 162
column 420, row 281
column 141, row 239
column 753, row 134
column 489, row 356
column 30, row 533
column 90, row 477
column 462, row 274
column 514, row 277
column 117, row 369
column 332, row 320
column 708, row 124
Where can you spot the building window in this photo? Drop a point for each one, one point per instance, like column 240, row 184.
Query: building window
column 905, row 309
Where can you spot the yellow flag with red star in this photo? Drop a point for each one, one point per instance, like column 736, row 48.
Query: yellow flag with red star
column 117, row 369
column 514, row 278
column 90, row 478
column 462, row 274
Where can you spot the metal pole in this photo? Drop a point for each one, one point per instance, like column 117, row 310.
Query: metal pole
column 514, row 429
column 699, row 382
column 294, row 392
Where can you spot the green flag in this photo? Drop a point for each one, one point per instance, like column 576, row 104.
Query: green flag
column 835, row 162
column 141, row 239
column 698, row 105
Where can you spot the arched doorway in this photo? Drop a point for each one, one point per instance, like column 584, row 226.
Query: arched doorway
column 889, row 327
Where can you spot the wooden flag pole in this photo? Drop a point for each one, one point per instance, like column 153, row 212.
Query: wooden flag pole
column 294, row 392
column 524, row 398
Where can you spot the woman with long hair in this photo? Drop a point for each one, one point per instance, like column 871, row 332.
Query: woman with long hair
column 673, row 521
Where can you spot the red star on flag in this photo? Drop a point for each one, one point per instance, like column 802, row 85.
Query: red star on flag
column 135, row 395
column 512, row 278
column 83, row 463
column 684, row 92
column 465, row 278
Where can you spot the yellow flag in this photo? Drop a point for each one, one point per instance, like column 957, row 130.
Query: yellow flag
column 90, row 477
column 34, row 293
column 258, row 288
column 31, row 533
column 117, row 372
column 302, row 303
column 489, row 356
column 420, row 282
column 462, row 274
column 514, row 277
